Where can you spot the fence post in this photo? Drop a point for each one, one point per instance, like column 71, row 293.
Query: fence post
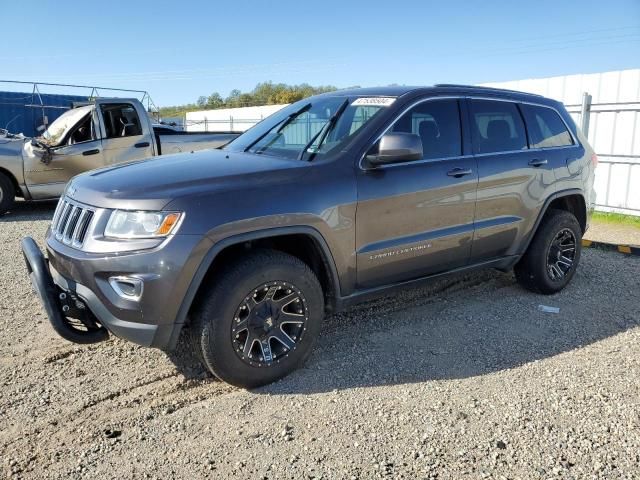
column 231, row 122
column 585, row 113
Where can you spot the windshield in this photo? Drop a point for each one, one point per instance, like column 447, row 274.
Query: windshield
column 54, row 134
column 309, row 127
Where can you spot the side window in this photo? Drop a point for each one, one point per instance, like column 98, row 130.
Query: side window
column 437, row 123
column 546, row 128
column 120, row 120
column 497, row 126
column 83, row 132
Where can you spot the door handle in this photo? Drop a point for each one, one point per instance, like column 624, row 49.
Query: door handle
column 536, row 162
column 95, row 151
column 459, row 172
column 141, row 144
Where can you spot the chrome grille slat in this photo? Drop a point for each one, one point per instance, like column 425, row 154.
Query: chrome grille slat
column 85, row 228
column 71, row 222
column 56, row 215
column 64, row 216
column 81, row 228
column 81, row 217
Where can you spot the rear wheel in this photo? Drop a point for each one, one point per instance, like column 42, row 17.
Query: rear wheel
column 259, row 319
column 553, row 255
column 7, row 193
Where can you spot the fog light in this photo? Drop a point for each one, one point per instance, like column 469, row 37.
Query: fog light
column 129, row 288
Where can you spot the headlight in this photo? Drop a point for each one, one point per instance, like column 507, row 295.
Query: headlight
column 140, row 224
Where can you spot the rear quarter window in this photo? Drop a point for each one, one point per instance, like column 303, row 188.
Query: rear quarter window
column 546, row 128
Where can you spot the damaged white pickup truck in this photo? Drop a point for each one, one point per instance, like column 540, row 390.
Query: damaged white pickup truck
column 105, row 132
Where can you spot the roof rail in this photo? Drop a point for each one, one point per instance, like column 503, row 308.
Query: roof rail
column 478, row 87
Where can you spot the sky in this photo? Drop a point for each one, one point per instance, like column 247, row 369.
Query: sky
column 179, row 50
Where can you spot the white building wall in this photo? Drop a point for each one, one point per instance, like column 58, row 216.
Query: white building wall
column 614, row 87
column 614, row 128
column 228, row 119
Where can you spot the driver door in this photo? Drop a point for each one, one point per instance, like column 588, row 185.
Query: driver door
column 416, row 218
column 124, row 138
column 81, row 151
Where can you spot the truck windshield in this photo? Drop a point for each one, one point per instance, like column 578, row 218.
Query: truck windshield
column 306, row 129
column 58, row 130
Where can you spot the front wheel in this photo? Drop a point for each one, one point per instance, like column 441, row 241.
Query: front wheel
column 7, row 193
column 258, row 319
column 553, row 255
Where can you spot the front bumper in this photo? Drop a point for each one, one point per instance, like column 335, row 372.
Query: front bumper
column 151, row 321
column 52, row 298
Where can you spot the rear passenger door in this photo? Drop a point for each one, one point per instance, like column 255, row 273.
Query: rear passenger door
column 550, row 136
column 513, row 180
column 416, row 218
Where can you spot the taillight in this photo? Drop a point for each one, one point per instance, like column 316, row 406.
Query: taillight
column 594, row 160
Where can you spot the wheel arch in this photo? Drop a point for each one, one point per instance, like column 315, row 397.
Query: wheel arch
column 571, row 200
column 303, row 242
column 14, row 181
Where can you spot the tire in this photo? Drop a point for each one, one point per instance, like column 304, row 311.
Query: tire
column 7, row 194
column 541, row 269
column 269, row 296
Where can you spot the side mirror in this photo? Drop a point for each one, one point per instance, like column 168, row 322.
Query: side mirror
column 396, row 147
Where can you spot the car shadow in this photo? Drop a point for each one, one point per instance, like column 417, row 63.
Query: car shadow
column 30, row 211
column 460, row 328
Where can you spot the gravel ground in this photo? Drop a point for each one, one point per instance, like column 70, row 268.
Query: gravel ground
column 464, row 379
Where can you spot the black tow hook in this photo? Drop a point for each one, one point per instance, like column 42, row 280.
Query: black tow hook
column 74, row 308
column 58, row 304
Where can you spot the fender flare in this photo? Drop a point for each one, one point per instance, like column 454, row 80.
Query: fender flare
column 545, row 207
column 218, row 247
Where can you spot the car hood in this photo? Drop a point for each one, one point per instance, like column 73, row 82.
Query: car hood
column 153, row 183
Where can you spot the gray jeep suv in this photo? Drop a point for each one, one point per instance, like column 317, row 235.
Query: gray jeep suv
column 332, row 200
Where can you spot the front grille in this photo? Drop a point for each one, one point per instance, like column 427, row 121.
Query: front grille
column 71, row 222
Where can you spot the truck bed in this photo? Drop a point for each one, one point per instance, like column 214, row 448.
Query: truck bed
column 188, row 142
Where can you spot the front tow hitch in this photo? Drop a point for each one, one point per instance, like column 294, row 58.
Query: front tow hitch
column 67, row 314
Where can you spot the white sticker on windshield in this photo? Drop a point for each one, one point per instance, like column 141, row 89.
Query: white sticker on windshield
column 374, row 101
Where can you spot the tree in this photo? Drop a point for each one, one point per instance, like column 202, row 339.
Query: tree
column 265, row 93
column 233, row 99
column 215, row 100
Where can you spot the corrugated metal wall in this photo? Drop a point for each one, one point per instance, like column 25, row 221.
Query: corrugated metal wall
column 614, row 128
column 19, row 116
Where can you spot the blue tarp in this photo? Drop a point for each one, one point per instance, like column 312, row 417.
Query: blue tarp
column 18, row 116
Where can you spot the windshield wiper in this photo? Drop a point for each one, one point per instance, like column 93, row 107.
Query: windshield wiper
column 323, row 132
column 283, row 125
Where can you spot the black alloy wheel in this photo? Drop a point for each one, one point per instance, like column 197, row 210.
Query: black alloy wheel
column 269, row 323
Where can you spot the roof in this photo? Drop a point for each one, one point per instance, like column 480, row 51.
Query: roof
column 398, row 90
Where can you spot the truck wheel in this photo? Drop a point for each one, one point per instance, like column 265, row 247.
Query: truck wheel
column 7, row 193
column 553, row 256
column 258, row 320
